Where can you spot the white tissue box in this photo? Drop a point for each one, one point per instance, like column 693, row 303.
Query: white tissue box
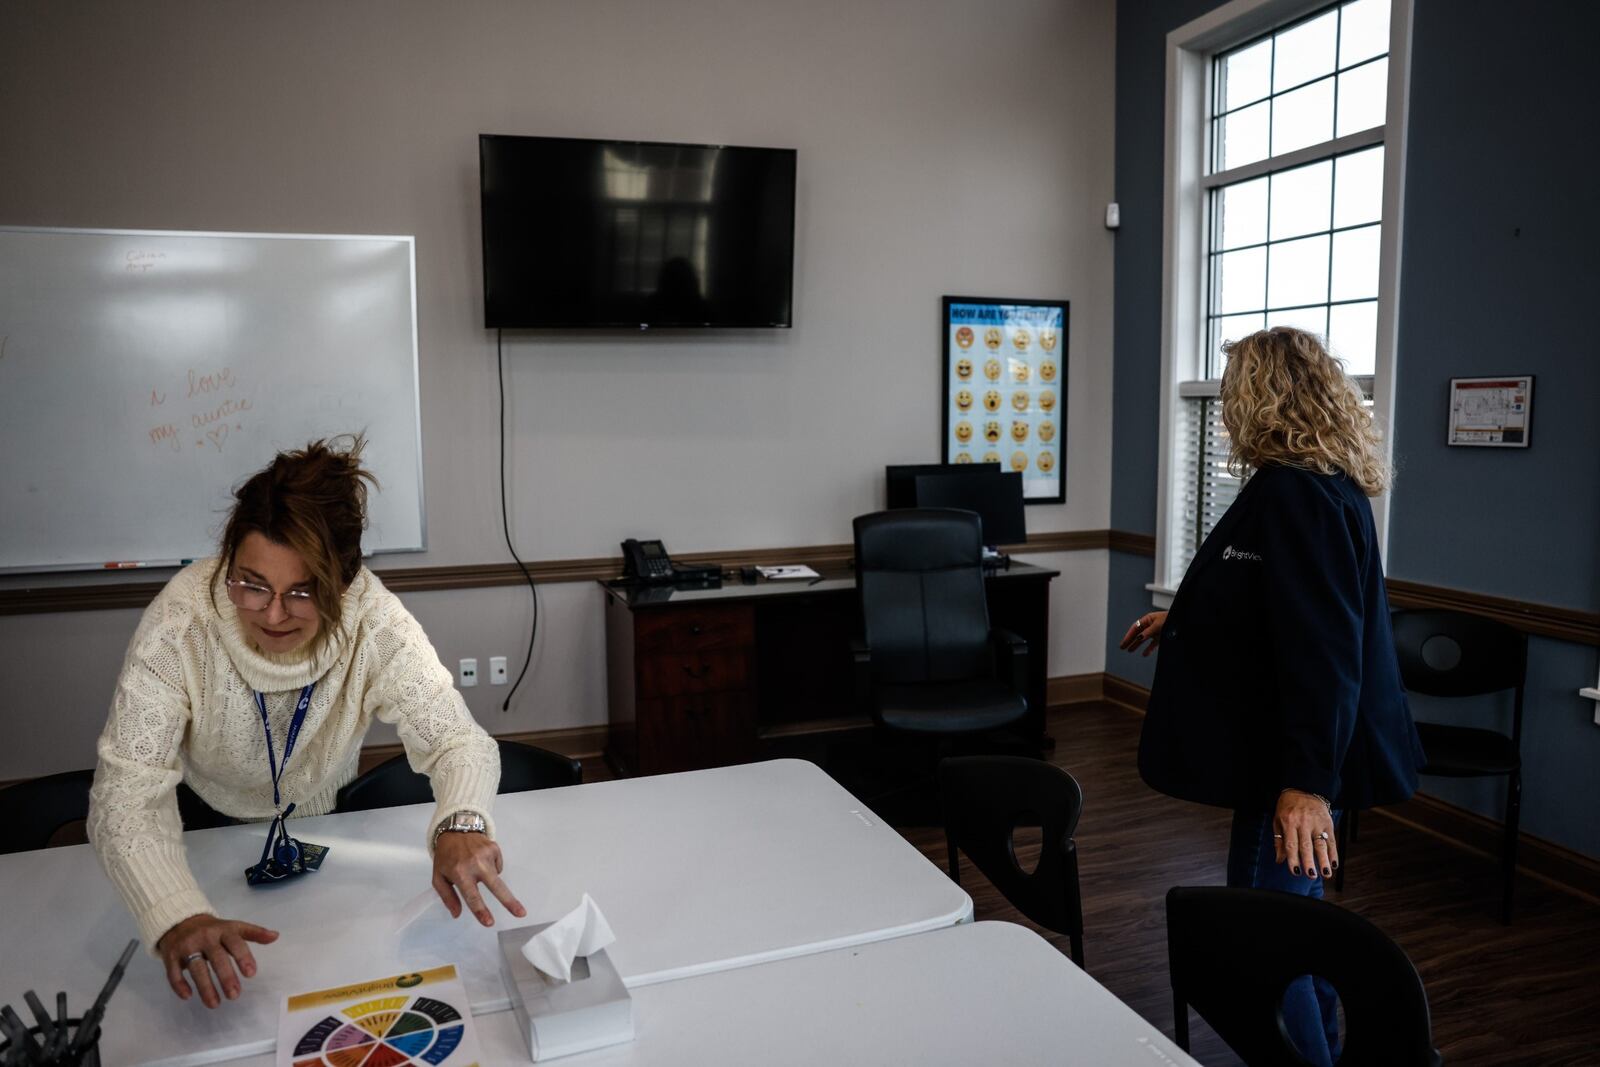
column 591, row 1011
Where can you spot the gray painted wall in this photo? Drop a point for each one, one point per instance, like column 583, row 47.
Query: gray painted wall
column 1498, row 275
column 932, row 160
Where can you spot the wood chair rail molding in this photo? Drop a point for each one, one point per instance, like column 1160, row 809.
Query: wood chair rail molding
column 1544, row 620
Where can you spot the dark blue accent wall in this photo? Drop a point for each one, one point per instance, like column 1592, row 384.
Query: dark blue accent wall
column 1501, row 275
column 1500, row 270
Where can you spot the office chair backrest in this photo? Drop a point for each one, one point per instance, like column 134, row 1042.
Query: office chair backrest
column 1453, row 654
column 31, row 812
column 919, row 573
column 527, row 767
column 195, row 813
column 522, row 767
column 985, row 797
column 1233, row 952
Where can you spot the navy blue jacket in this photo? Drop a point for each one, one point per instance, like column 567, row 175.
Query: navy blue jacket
column 1277, row 666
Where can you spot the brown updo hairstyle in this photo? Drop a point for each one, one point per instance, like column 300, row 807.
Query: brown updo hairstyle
column 313, row 501
column 1286, row 400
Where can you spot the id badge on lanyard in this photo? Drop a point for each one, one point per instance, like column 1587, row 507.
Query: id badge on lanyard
column 283, row 857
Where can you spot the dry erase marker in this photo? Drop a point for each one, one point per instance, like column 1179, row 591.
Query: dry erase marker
column 47, row 1029
column 122, row 566
column 89, row 1026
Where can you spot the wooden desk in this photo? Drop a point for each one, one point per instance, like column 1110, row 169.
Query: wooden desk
column 696, row 872
column 707, row 677
column 985, row 992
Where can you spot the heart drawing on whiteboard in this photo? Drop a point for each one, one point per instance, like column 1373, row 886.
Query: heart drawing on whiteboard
column 218, row 434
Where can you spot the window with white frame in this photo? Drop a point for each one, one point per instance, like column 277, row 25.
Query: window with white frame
column 1277, row 186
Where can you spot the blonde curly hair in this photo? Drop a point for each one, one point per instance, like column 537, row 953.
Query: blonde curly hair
column 1285, row 400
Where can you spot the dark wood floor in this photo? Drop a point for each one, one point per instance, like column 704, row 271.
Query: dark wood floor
column 1525, row 994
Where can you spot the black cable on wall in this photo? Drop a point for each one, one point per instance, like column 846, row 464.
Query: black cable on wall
column 505, row 519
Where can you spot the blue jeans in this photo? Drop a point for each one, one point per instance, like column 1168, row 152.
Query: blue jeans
column 1310, row 1006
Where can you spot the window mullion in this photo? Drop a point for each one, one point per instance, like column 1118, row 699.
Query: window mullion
column 1339, row 146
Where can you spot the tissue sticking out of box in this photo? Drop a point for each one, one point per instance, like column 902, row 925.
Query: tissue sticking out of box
column 582, row 931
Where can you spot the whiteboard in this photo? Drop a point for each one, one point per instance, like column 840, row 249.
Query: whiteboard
column 145, row 374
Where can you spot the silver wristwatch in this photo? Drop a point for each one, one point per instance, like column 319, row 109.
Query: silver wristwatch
column 461, row 822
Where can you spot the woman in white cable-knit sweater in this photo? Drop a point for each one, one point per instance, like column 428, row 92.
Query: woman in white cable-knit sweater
column 286, row 605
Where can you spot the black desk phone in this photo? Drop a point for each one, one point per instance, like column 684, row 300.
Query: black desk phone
column 647, row 561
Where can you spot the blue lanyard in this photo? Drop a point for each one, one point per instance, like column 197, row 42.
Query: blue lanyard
column 295, row 723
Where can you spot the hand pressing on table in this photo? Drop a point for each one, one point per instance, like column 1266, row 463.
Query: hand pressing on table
column 212, row 953
column 461, row 861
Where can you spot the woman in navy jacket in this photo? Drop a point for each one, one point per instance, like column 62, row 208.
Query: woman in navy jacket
column 1277, row 692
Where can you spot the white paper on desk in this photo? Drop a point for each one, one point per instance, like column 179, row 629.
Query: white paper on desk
column 778, row 573
column 580, row 932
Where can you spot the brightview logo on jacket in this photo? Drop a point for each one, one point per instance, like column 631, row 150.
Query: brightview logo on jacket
column 1238, row 553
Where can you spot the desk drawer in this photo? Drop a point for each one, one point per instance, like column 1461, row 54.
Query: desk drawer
column 677, row 673
column 689, row 732
column 694, row 629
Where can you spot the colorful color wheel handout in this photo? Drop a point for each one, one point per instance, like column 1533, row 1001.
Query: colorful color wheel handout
column 387, row 1032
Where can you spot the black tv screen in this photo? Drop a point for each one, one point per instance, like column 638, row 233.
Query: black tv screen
column 580, row 233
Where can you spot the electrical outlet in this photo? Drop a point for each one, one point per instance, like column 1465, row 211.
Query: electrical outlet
column 467, row 676
column 497, row 670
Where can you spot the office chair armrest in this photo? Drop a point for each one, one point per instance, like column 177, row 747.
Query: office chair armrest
column 861, row 674
column 1010, row 659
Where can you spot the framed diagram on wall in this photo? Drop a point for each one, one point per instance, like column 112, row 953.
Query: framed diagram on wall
column 1491, row 412
column 1004, row 368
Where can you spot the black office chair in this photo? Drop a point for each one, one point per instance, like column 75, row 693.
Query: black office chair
column 985, row 799
column 929, row 663
column 1452, row 654
column 1233, row 952
column 522, row 767
column 196, row 814
column 32, row 811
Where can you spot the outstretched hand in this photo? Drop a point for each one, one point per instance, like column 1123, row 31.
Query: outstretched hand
column 460, row 863
column 202, row 946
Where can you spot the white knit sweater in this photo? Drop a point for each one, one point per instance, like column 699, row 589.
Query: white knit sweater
column 185, row 710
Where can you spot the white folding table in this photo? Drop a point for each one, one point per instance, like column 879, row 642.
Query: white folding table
column 986, row 992
column 697, row 872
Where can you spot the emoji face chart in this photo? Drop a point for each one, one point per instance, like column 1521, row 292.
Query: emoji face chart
column 1010, row 357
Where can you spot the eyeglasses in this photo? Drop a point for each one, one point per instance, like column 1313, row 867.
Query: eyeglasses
column 253, row 597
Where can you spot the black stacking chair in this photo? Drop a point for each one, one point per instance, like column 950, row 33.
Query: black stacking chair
column 1233, row 952
column 522, row 767
column 929, row 663
column 985, row 799
column 32, row 811
column 1452, row 654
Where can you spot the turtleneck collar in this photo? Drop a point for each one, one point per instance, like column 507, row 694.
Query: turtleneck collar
column 268, row 672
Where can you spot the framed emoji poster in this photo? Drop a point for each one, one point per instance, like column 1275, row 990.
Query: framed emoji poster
column 1004, row 364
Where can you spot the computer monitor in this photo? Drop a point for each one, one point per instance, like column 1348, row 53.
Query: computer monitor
column 900, row 481
column 994, row 494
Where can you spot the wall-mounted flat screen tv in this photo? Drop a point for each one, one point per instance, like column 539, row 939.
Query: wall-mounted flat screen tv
column 583, row 233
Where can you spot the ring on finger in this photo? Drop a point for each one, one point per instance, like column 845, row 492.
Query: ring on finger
column 191, row 957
